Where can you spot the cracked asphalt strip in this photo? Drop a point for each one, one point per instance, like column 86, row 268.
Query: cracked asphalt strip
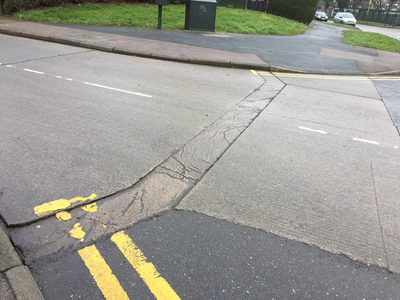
column 159, row 191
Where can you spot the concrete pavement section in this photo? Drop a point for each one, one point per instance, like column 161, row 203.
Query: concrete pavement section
column 325, row 177
column 318, row 50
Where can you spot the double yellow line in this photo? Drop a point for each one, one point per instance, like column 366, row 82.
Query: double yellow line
column 109, row 284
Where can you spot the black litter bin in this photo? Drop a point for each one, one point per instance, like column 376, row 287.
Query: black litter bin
column 200, row 15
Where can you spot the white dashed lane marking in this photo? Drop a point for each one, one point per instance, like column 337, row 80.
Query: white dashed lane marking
column 118, row 90
column 313, row 130
column 33, row 71
column 87, row 83
column 354, row 138
column 366, row 141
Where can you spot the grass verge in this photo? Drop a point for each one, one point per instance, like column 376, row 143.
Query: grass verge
column 339, row 25
column 372, row 23
column 173, row 18
column 371, row 40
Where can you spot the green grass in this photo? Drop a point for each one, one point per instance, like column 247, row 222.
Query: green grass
column 173, row 18
column 371, row 23
column 371, row 40
column 339, row 25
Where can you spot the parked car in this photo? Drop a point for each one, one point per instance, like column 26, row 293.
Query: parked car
column 321, row 16
column 345, row 18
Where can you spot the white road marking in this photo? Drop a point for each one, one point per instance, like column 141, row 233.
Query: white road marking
column 396, row 147
column 118, row 90
column 312, row 130
column 33, row 71
column 88, row 83
column 366, row 141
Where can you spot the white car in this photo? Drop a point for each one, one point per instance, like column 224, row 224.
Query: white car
column 345, row 18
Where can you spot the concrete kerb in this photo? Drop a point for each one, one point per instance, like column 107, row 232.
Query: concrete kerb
column 10, row 32
column 96, row 47
column 210, row 62
column 396, row 72
column 8, row 256
column 65, row 41
column 170, row 58
column 132, row 53
column 35, row 36
column 19, row 277
column 286, row 70
column 23, row 284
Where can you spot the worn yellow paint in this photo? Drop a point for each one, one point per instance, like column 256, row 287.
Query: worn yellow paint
column 77, row 232
column 52, row 206
column 92, row 207
column 102, row 274
column 157, row 285
column 59, row 204
column 328, row 77
column 63, row 216
column 76, row 199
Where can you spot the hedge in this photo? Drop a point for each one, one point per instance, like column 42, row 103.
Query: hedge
column 298, row 10
column 12, row 6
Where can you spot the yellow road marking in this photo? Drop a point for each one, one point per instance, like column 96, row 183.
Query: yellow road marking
column 102, row 274
column 330, row 77
column 59, row 204
column 264, row 73
column 157, row 285
column 92, row 207
column 63, row 216
column 77, row 232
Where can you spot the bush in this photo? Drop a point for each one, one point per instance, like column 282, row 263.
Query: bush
column 298, row 10
column 12, row 6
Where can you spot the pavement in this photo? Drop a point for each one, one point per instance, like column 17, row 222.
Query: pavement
column 318, row 50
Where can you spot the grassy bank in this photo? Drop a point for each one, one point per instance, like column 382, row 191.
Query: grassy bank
column 371, row 40
column 341, row 25
column 146, row 16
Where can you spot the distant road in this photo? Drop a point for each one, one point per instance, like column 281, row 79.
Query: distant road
column 389, row 31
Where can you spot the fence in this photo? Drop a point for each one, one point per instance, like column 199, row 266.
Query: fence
column 232, row 3
column 391, row 18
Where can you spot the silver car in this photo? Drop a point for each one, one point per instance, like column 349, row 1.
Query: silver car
column 345, row 18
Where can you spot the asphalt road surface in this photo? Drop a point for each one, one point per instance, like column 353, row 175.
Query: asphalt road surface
column 78, row 122
column 307, row 55
column 275, row 186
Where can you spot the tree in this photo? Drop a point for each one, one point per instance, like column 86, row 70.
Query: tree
column 342, row 4
column 1, row 7
column 360, row 3
column 327, row 3
column 392, row 3
column 378, row 4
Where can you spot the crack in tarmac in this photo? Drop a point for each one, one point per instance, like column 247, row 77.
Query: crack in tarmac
column 159, row 191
